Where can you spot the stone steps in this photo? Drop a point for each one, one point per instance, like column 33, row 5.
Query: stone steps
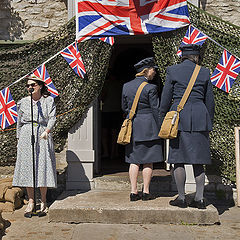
column 114, row 207
column 114, row 182
column 162, row 182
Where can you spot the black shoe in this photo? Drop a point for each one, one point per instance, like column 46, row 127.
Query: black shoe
column 147, row 196
column 198, row 204
column 28, row 215
column 178, row 203
column 134, row 197
column 42, row 214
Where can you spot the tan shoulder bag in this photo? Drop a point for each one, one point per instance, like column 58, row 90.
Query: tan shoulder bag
column 169, row 128
column 124, row 136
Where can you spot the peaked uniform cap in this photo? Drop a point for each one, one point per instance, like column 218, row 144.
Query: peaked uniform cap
column 190, row 49
column 145, row 63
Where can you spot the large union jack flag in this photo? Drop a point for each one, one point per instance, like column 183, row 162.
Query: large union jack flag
column 192, row 36
column 74, row 59
column 226, row 72
column 102, row 18
column 8, row 109
column 42, row 73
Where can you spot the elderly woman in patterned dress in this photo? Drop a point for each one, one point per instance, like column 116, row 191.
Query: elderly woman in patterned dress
column 44, row 117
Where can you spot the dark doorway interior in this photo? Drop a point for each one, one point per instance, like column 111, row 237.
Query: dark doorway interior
column 127, row 51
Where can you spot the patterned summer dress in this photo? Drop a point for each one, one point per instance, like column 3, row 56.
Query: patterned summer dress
column 44, row 116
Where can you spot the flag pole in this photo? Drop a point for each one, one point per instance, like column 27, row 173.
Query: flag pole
column 237, row 155
column 77, row 23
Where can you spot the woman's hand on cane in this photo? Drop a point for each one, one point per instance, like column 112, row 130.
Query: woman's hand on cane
column 44, row 135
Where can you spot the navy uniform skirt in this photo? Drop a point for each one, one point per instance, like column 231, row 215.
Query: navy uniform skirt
column 144, row 152
column 190, row 148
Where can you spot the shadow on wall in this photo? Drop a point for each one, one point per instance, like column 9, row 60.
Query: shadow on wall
column 11, row 25
column 203, row 3
column 65, row 2
column 76, row 175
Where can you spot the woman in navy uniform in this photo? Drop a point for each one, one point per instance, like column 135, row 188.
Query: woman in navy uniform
column 145, row 147
column 192, row 143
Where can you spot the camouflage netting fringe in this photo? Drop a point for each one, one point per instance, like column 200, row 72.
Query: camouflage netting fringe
column 75, row 93
column 227, row 111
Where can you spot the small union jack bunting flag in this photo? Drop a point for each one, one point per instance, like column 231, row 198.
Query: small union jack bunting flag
column 74, row 59
column 109, row 40
column 193, row 36
column 42, row 73
column 8, row 109
column 226, row 71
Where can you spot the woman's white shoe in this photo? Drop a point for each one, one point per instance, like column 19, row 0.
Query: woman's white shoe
column 43, row 207
column 29, row 207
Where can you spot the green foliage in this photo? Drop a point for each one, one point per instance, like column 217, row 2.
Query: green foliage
column 75, row 93
column 227, row 110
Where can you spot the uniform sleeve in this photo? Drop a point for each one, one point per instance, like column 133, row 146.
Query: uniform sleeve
column 209, row 99
column 154, row 104
column 166, row 98
column 19, row 124
column 124, row 101
column 51, row 113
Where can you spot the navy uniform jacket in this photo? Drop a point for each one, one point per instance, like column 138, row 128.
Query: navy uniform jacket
column 198, row 111
column 146, row 122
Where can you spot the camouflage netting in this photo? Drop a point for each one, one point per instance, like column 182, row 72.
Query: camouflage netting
column 75, row 92
column 227, row 111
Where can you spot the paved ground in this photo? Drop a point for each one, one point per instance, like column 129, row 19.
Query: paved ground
column 21, row 228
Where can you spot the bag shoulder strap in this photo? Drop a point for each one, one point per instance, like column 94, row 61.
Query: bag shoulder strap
column 135, row 101
column 189, row 88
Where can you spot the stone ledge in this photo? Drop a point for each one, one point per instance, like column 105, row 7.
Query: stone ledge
column 114, row 207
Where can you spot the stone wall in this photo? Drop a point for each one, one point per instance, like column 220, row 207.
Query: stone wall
column 31, row 19
column 228, row 10
column 4, row 16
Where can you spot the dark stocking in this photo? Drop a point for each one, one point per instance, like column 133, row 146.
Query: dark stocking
column 180, row 179
column 199, row 175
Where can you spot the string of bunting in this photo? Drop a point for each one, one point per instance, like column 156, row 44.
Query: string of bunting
column 8, row 108
column 223, row 76
column 228, row 66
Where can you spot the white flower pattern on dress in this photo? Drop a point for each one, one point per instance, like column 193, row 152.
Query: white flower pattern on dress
column 44, row 116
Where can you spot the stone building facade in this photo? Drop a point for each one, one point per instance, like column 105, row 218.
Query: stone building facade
column 33, row 19
column 227, row 10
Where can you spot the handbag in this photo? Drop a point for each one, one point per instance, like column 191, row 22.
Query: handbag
column 124, row 136
column 169, row 128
